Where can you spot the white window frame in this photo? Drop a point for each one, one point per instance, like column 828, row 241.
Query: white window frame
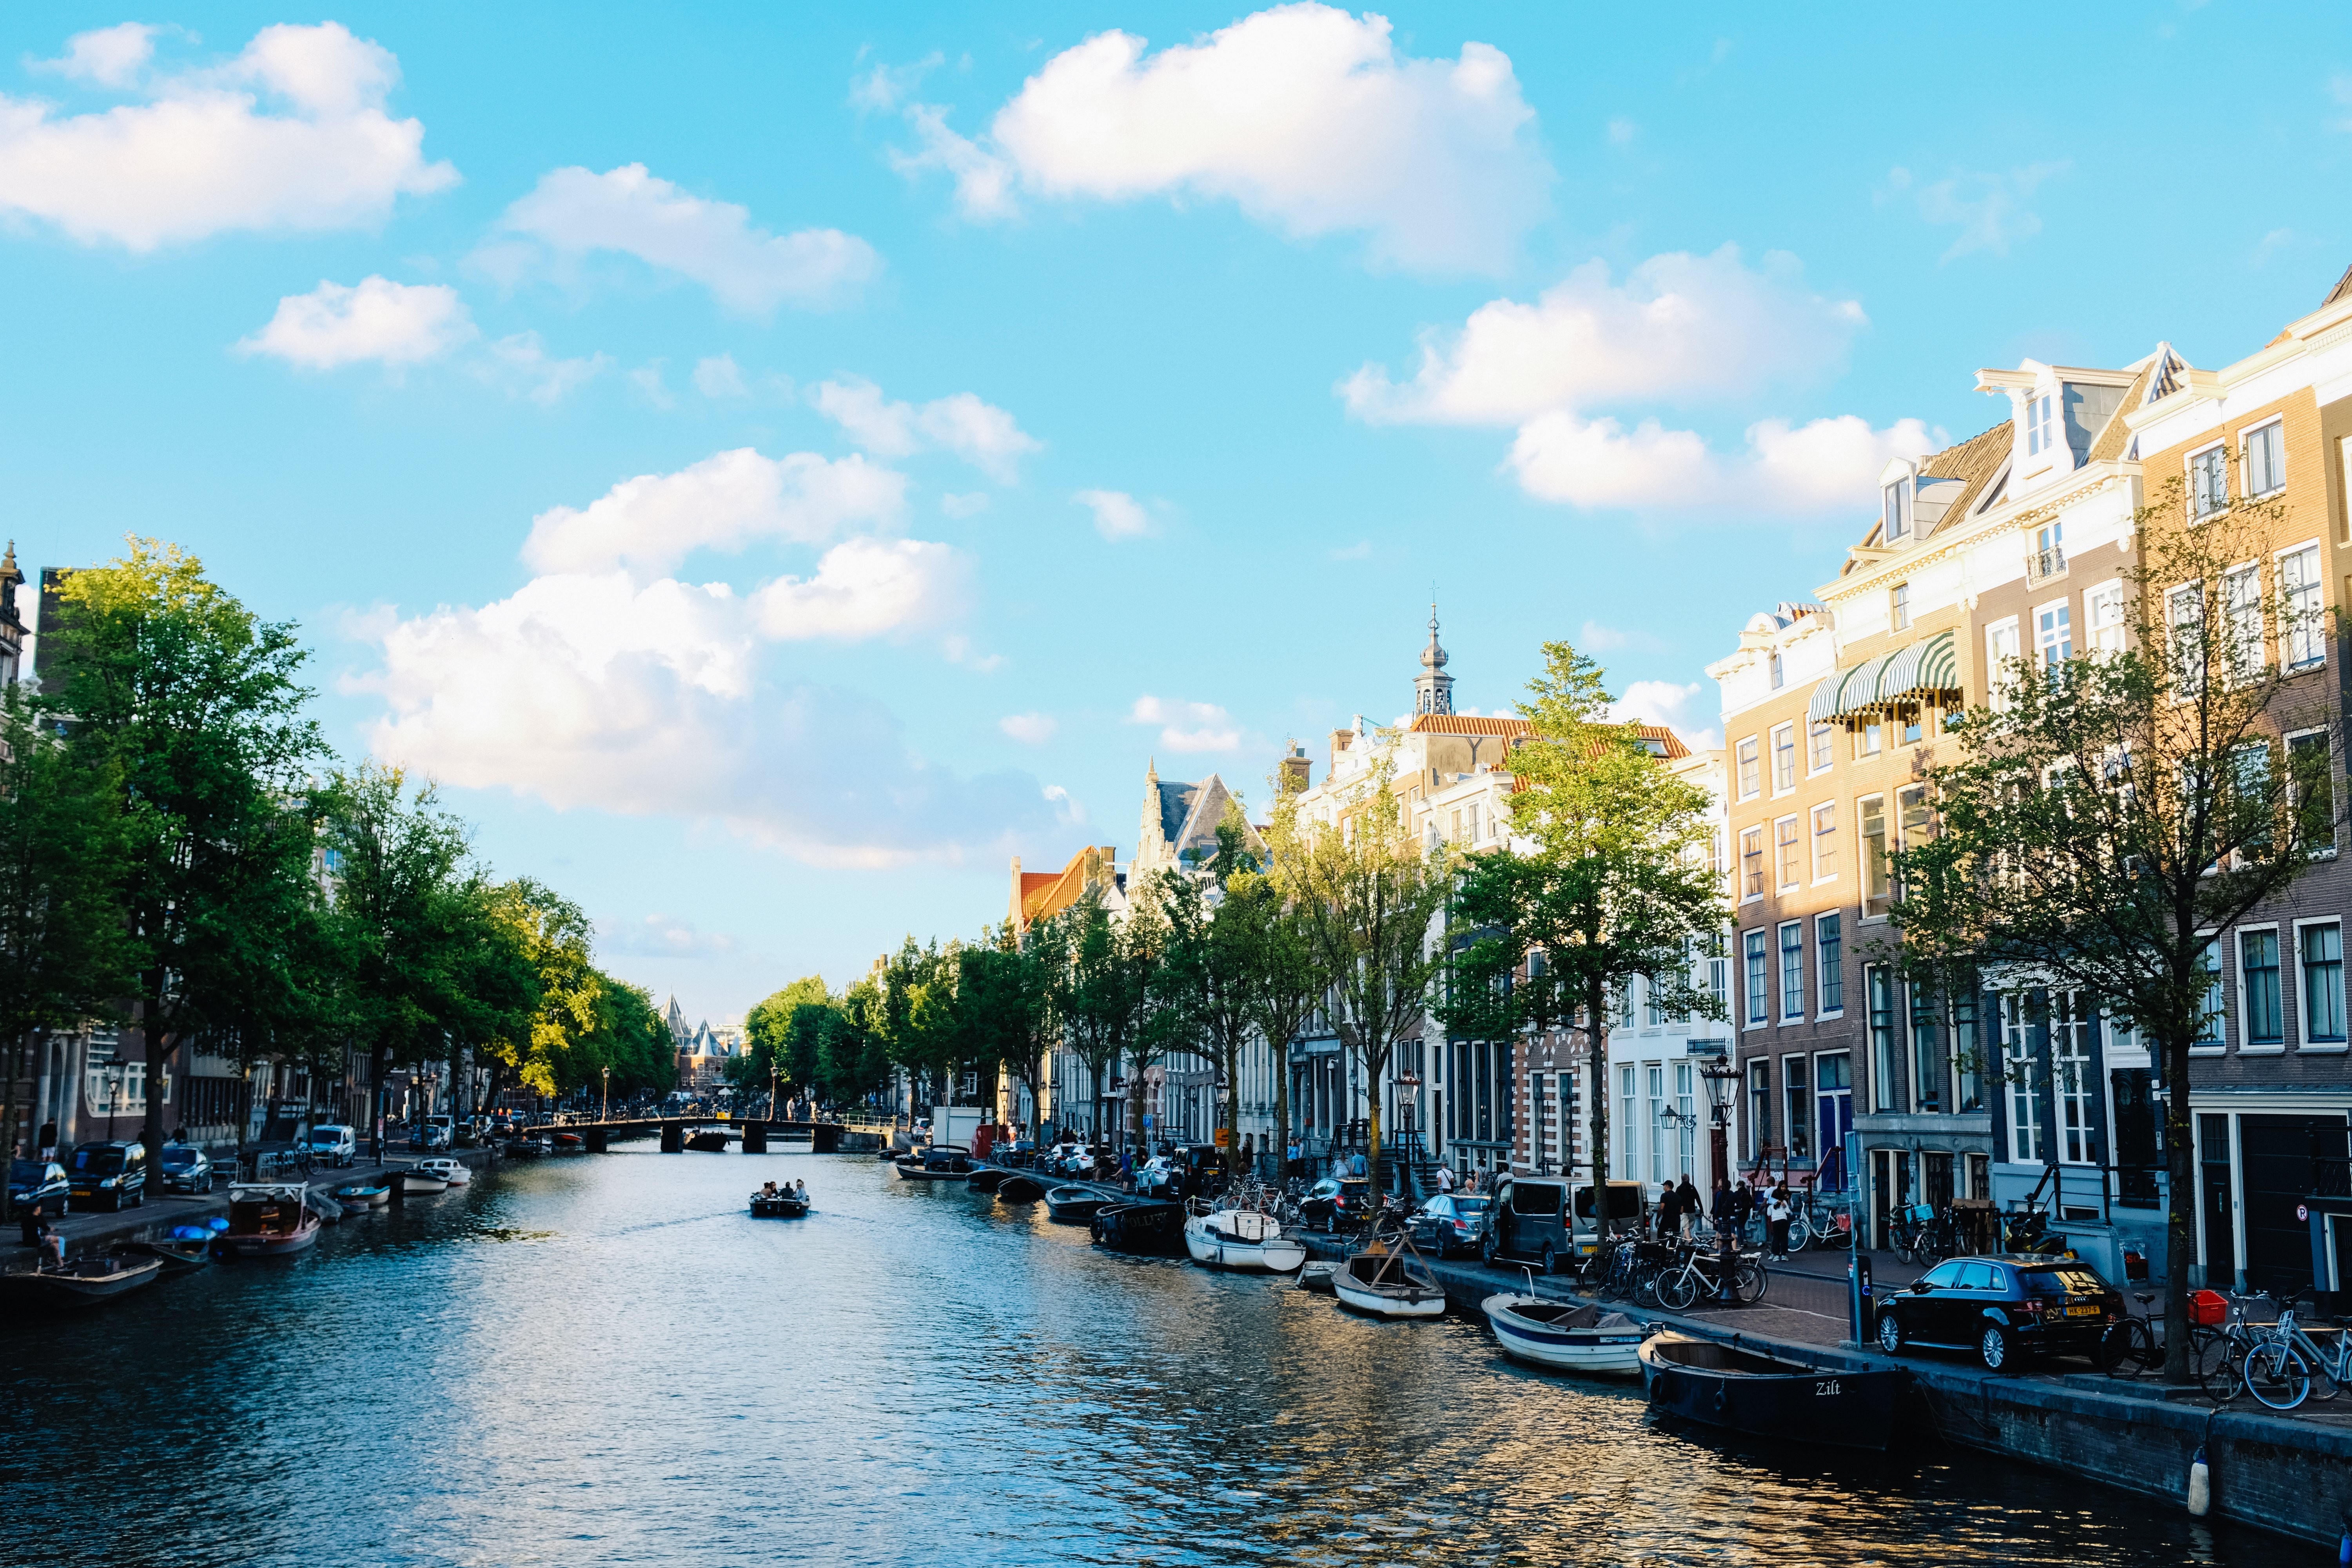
column 2236, row 958
column 1756, row 1010
column 1738, row 765
column 1778, row 730
column 2100, row 596
column 1815, row 836
column 2302, row 1013
column 2198, row 513
column 2287, row 759
column 1797, row 823
column 1739, row 866
column 1780, row 965
column 2245, row 445
column 2191, row 681
column 1997, row 679
column 2317, row 615
column 1824, row 730
column 1820, row 991
column 2212, row 939
column 1899, row 607
column 2064, row 606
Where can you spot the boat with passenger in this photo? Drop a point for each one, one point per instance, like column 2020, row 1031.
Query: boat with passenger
column 269, row 1219
column 1774, row 1394
column 785, row 1202
column 1565, row 1336
column 1240, row 1239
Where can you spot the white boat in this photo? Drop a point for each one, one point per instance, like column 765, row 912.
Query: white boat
column 1390, row 1284
column 453, row 1172
column 1241, row 1238
column 1566, row 1336
column 416, row 1180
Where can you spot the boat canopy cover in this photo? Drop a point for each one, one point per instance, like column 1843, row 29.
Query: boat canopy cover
column 260, row 1191
column 1925, row 669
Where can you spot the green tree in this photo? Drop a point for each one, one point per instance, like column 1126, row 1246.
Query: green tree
column 766, row 1033
column 1098, row 992
column 1282, row 981
column 65, row 951
column 192, row 705
column 2111, row 812
column 1208, row 973
column 627, row 1039
column 1367, row 894
column 542, row 1050
column 1619, row 884
column 1004, row 999
column 854, row 1063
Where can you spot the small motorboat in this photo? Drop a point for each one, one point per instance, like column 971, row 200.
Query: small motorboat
column 782, row 1203
column 1154, row 1227
column 939, row 1162
column 1566, row 1336
column 453, row 1172
column 1770, row 1396
column 1388, row 1280
column 358, row 1197
column 1317, row 1276
column 188, row 1248
column 988, row 1178
column 416, row 1180
column 1018, row 1188
column 86, row 1281
column 269, row 1219
column 1240, row 1239
column 525, row 1148
column 1074, row 1205
column 569, row 1143
column 707, row 1142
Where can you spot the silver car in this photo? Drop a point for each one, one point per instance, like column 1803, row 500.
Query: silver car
column 186, row 1170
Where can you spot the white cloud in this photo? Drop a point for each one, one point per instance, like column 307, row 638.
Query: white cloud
column 1305, row 117
column 1824, row 466
column 659, row 936
column 1029, row 728
column 719, row 376
column 521, row 365
column 1677, row 706
column 648, row 379
column 105, row 56
column 573, row 212
column 868, row 587
column 1117, row 515
column 591, row 690
column 887, row 87
column 1594, row 637
column 1989, row 210
column 970, row 504
column 200, row 156
column 1359, row 551
column 376, row 318
column 1187, row 726
column 2273, row 242
column 982, row 434
column 652, row 522
column 1680, row 328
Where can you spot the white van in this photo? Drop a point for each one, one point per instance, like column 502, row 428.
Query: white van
column 334, row 1145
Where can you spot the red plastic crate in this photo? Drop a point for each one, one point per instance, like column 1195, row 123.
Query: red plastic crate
column 2208, row 1309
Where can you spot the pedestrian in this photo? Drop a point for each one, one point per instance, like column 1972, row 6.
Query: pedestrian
column 1743, row 1206
column 1686, row 1204
column 34, row 1227
column 1668, row 1203
column 1356, row 1164
column 1444, row 1180
column 1721, row 1203
column 1777, row 1212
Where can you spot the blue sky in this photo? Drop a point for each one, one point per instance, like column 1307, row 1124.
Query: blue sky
column 777, row 464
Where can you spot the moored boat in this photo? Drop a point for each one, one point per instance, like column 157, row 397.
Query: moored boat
column 1240, row 1239
column 1566, row 1336
column 1018, row 1188
column 269, row 1219
column 86, row 1282
column 188, row 1248
column 453, row 1172
column 416, row 1181
column 358, row 1197
column 1389, row 1282
column 939, row 1162
column 1743, row 1389
column 988, row 1178
column 1318, row 1277
column 1154, row 1227
column 1074, row 1205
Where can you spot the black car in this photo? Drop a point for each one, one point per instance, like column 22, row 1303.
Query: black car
column 185, row 1170
column 2003, row 1308
column 1337, row 1203
column 39, row 1182
column 109, row 1174
column 1451, row 1223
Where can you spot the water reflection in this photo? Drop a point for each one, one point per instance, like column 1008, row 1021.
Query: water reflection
column 623, row 1367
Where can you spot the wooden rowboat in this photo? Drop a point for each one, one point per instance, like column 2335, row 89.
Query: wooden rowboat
column 1743, row 1389
column 269, row 1219
column 85, row 1282
column 1565, row 1336
column 1390, row 1282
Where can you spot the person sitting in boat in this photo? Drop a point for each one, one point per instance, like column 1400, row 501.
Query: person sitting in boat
column 800, row 1190
column 768, row 1191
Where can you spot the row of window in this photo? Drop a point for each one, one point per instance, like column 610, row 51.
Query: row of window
column 2263, row 461
column 1866, row 738
column 1664, row 1141
column 2300, row 615
column 1804, row 849
column 2318, row 953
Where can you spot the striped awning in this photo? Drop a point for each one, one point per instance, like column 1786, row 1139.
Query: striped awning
column 1929, row 667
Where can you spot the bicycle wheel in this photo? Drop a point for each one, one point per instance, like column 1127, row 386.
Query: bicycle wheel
column 2218, row 1362
column 2128, row 1349
column 1749, row 1279
column 2276, row 1375
column 1799, row 1233
column 1677, row 1288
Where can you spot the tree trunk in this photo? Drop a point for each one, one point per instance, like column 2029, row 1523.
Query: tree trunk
column 2181, row 1202
column 1231, row 1121
column 159, row 1061
column 1372, row 1121
column 1281, row 1107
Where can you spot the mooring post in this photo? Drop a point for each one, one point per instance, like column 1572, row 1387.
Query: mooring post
column 595, row 1138
column 755, row 1137
column 673, row 1138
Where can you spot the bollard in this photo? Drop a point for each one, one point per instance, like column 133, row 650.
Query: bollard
column 824, row 1138
column 595, row 1137
column 673, row 1138
column 755, row 1137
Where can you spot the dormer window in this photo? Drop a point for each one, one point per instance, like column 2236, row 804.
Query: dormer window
column 2039, row 426
column 1895, row 522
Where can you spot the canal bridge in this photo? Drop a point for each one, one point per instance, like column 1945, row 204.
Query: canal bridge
column 823, row 1137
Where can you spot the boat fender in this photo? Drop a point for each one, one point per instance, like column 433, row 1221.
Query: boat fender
column 2344, row 1546
column 1722, row 1399
column 2201, row 1485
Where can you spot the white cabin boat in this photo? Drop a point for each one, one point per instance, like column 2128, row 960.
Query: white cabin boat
column 453, row 1172
column 1241, row 1238
column 1566, row 1336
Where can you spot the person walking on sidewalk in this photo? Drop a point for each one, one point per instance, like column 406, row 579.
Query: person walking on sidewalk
column 1686, row 1205
column 1669, row 1207
column 1777, row 1212
column 1444, row 1181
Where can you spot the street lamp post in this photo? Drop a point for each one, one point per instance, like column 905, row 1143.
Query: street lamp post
column 1720, row 1076
column 607, row 1114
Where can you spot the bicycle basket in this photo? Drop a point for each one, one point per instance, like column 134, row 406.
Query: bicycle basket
column 1920, row 1214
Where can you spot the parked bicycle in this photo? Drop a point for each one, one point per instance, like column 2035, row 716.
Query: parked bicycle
column 1915, row 1235
column 1819, row 1223
column 2282, row 1362
column 2220, row 1362
column 1699, row 1276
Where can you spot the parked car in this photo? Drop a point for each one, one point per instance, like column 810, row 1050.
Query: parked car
column 440, row 1131
column 39, row 1182
column 185, row 1169
column 1452, row 1222
column 2003, row 1308
column 109, row 1173
column 1337, row 1203
column 331, row 1145
column 1528, row 1222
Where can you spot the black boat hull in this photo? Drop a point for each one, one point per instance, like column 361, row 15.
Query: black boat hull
column 1148, row 1229
column 1075, row 1210
column 1825, row 1405
column 988, row 1178
column 1020, row 1189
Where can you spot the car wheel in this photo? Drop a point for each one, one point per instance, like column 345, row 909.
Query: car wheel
column 1551, row 1262
column 1330, row 1225
column 1890, row 1333
column 1997, row 1348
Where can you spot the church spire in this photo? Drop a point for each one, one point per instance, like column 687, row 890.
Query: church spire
column 1433, row 689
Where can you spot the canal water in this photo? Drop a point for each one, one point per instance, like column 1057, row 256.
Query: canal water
column 604, row 1360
